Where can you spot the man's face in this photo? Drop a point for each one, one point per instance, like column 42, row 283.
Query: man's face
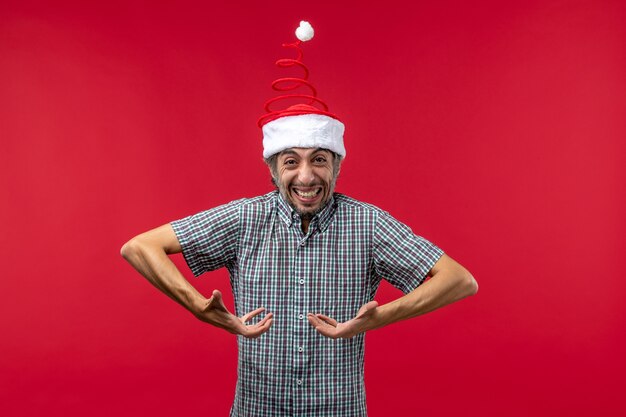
column 306, row 179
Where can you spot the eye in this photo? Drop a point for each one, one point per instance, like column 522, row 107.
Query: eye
column 289, row 161
column 319, row 159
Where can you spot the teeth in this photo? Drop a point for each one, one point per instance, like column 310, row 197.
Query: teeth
column 307, row 195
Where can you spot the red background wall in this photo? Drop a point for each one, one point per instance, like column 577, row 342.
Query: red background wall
column 495, row 129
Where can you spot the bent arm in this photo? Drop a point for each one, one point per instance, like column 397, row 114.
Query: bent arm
column 148, row 254
column 450, row 282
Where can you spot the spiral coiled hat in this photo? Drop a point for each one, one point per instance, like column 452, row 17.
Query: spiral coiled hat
column 308, row 124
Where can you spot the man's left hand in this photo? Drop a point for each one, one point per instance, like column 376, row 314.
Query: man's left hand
column 329, row 327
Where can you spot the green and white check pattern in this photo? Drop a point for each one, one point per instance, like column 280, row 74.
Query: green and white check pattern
column 334, row 269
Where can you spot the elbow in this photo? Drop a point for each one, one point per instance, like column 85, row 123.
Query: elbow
column 469, row 283
column 130, row 249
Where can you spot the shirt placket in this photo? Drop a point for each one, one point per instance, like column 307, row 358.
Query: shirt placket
column 300, row 348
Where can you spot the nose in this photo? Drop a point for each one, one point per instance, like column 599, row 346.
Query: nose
column 305, row 174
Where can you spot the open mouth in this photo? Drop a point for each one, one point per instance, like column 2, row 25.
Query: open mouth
column 309, row 194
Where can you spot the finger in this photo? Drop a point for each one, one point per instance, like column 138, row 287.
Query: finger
column 317, row 321
column 320, row 319
column 323, row 328
column 252, row 314
column 252, row 332
column 267, row 317
column 266, row 323
column 314, row 320
column 327, row 319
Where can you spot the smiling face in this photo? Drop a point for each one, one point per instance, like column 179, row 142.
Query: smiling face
column 306, row 178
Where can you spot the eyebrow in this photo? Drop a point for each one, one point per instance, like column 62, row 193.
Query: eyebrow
column 292, row 152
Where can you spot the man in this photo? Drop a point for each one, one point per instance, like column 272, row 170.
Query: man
column 305, row 263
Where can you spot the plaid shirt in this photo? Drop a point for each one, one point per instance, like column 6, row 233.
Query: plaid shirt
column 333, row 269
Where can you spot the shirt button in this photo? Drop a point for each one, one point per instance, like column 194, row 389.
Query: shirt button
column 300, row 349
column 301, row 281
column 301, row 316
column 302, row 243
column 299, row 381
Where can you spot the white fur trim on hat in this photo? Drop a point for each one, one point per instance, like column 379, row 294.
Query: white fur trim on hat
column 303, row 131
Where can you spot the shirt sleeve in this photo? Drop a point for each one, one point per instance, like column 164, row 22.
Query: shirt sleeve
column 209, row 239
column 401, row 257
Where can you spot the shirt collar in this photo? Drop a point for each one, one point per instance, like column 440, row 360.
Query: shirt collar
column 323, row 219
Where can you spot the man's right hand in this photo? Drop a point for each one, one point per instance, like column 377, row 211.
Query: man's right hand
column 215, row 312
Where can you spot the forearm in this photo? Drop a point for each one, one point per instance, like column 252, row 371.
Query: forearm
column 154, row 264
column 445, row 287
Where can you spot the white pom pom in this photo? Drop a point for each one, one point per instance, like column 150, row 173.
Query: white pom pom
column 305, row 31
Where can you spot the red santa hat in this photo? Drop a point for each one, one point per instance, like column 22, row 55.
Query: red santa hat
column 303, row 125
